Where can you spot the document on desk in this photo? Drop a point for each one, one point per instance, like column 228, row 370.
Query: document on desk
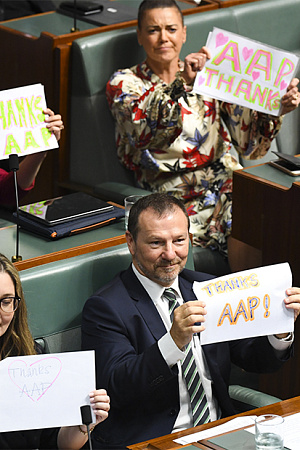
column 291, row 431
column 231, row 425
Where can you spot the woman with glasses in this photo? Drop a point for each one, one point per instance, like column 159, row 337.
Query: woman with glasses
column 16, row 340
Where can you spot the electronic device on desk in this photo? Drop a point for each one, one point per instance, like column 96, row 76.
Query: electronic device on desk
column 68, row 215
column 99, row 13
column 287, row 163
column 64, row 209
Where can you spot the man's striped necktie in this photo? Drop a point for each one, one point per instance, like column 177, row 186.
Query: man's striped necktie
column 199, row 404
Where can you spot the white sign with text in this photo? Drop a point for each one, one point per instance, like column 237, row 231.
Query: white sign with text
column 245, row 72
column 45, row 391
column 246, row 304
column 22, row 122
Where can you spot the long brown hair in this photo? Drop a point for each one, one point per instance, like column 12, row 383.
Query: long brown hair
column 17, row 340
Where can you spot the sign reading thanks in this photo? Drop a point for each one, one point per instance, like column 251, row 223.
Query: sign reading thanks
column 22, row 122
column 246, row 304
column 245, row 72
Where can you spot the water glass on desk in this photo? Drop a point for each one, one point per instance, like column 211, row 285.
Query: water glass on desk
column 269, row 432
column 128, row 202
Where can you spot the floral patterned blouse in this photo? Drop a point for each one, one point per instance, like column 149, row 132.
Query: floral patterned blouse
column 179, row 142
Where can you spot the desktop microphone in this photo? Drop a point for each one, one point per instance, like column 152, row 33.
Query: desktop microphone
column 86, row 417
column 74, row 28
column 13, row 167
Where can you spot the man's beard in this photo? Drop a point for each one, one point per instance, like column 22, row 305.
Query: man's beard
column 158, row 277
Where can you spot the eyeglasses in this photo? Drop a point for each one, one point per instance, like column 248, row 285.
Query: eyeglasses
column 9, row 304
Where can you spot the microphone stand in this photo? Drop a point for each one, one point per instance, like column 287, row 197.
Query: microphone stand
column 14, row 166
column 86, row 417
column 74, row 28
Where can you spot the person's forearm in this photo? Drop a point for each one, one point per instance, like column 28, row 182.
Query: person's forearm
column 71, row 437
column 29, row 168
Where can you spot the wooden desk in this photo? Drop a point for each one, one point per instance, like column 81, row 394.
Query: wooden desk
column 284, row 408
column 266, row 208
column 265, row 212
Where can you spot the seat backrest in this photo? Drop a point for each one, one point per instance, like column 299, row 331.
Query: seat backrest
column 56, row 292
column 272, row 22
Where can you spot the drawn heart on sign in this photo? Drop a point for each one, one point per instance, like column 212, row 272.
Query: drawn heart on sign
column 35, row 379
column 255, row 75
column 247, row 52
column 221, row 39
column 283, row 85
column 200, row 80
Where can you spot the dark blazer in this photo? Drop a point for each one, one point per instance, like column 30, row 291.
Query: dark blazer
column 121, row 323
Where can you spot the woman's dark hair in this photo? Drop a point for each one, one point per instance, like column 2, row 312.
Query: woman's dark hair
column 159, row 203
column 147, row 5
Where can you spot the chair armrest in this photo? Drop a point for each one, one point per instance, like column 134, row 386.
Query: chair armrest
column 246, row 398
column 117, row 192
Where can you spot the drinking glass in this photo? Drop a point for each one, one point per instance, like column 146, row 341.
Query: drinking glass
column 128, row 202
column 269, row 432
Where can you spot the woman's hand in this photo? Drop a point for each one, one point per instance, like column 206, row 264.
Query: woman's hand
column 100, row 403
column 54, row 122
column 193, row 63
column 291, row 99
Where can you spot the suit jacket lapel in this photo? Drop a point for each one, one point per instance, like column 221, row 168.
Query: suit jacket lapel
column 143, row 303
column 186, row 289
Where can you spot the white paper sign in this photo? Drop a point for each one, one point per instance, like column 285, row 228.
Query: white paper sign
column 45, row 391
column 246, row 304
column 22, row 123
column 245, row 72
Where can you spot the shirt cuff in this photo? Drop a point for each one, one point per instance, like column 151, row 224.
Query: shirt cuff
column 169, row 350
column 281, row 344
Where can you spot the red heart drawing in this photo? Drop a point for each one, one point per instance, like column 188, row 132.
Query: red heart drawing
column 255, row 75
column 283, row 85
column 35, row 379
column 221, row 39
column 247, row 53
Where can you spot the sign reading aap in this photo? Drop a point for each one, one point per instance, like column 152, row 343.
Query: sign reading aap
column 246, row 304
column 245, row 72
column 22, row 122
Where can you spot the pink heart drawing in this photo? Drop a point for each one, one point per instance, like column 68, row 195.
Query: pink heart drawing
column 283, row 85
column 200, row 80
column 35, row 379
column 221, row 39
column 247, row 53
column 255, row 75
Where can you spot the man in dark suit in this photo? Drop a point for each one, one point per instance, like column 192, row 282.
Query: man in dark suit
column 140, row 349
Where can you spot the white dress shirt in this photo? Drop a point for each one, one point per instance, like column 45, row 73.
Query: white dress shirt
column 173, row 355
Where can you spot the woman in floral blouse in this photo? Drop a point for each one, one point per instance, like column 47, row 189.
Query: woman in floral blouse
column 177, row 141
